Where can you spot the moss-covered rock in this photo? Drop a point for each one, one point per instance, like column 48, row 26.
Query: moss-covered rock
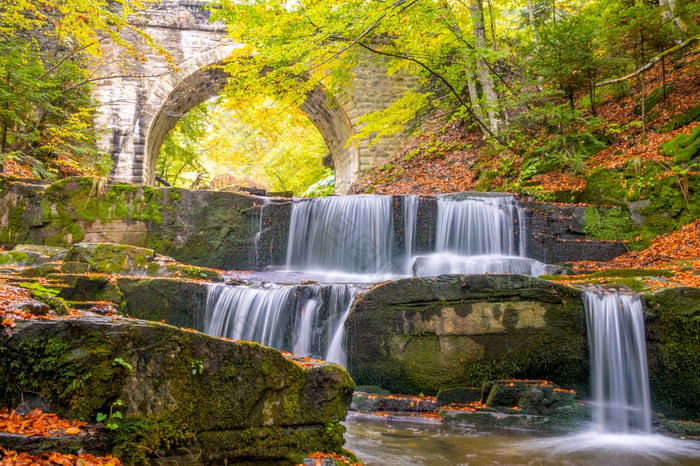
column 55, row 253
column 426, row 334
column 458, row 395
column 22, row 258
column 121, row 259
column 177, row 302
column 673, row 349
column 42, row 270
column 111, row 258
column 221, row 400
column 77, row 287
column 207, row 228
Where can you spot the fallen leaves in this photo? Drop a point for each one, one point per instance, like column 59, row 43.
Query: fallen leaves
column 37, row 423
column 13, row 458
column 678, row 251
column 320, row 456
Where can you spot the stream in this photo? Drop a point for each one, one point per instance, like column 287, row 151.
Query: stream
column 392, row 441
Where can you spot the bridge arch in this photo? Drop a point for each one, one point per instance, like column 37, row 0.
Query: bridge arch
column 203, row 78
column 144, row 99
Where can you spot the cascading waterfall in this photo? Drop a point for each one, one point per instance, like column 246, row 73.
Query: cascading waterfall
column 354, row 239
column 303, row 319
column 342, row 233
column 476, row 234
column 619, row 376
column 475, row 226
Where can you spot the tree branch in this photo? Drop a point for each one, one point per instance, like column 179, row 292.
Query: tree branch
column 653, row 61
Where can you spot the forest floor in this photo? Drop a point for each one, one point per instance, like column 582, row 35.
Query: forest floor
column 447, row 157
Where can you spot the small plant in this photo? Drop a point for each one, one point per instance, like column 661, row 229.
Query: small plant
column 40, row 289
column 124, row 364
column 196, row 366
column 112, row 416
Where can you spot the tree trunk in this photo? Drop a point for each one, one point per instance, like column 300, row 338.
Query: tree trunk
column 535, row 39
column 482, row 70
column 474, row 96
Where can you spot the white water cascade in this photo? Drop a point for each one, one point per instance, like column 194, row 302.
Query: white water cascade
column 356, row 239
column 619, row 376
column 351, row 234
column 302, row 319
column 476, row 234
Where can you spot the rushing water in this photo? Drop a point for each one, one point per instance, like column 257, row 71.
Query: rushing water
column 303, row 319
column 476, row 226
column 618, row 361
column 354, row 239
column 397, row 442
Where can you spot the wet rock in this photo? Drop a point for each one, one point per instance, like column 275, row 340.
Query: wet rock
column 42, row 270
column 425, row 334
column 308, row 282
column 38, row 309
column 458, row 395
column 222, row 401
column 392, row 403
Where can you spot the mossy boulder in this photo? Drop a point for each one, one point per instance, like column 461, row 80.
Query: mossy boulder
column 673, row 350
column 221, row 400
column 458, row 395
column 77, row 287
column 42, row 270
column 121, row 259
column 55, row 253
column 206, row 228
column 426, row 334
column 177, row 302
column 22, row 258
column 111, row 258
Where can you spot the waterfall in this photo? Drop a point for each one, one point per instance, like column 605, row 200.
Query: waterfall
column 350, row 234
column 618, row 361
column 522, row 232
column 475, row 225
column 410, row 219
column 304, row 319
column 261, row 230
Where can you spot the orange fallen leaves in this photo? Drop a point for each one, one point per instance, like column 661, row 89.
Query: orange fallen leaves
column 37, row 423
column 13, row 458
column 663, row 253
column 319, row 456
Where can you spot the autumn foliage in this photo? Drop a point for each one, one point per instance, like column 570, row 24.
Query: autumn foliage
column 13, row 458
column 37, row 423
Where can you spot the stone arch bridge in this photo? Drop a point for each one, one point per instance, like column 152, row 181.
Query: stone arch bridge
column 143, row 99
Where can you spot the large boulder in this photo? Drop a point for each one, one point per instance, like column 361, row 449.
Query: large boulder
column 207, row 228
column 425, row 334
column 171, row 391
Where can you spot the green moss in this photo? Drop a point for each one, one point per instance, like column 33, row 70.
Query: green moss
column 683, row 148
column 47, row 368
column 14, row 258
column 608, row 224
column 680, row 120
column 673, row 328
column 138, row 438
